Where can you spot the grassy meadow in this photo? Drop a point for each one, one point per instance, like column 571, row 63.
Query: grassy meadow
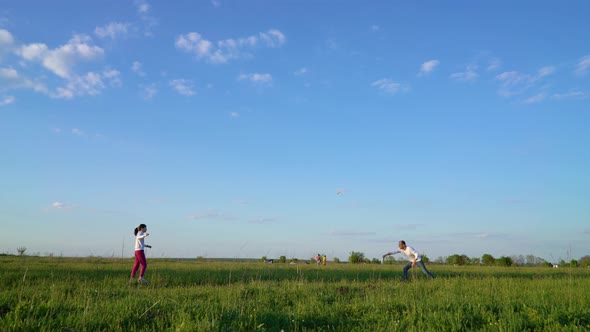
column 94, row 294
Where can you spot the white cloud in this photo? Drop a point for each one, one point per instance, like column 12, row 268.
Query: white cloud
column 114, row 77
column 573, row 94
column 10, row 78
column 545, row 71
column 61, row 206
column 6, row 38
column 494, row 64
column 234, row 114
column 77, row 132
column 228, row 49
column 350, row 233
column 210, row 216
column 301, row 71
column 183, row 87
column 514, row 82
column 468, row 75
column 535, row 99
column 7, row 100
column 149, row 91
column 273, row 38
column 375, row 27
column 90, row 84
column 509, row 78
column 57, row 205
column 194, row 43
column 136, row 67
column 112, row 30
column 428, row 66
column 142, row 7
column 265, row 79
column 61, row 60
column 216, row 3
column 583, row 65
column 8, row 73
column 262, row 221
column 33, row 52
column 387, row 85
column 143, row 11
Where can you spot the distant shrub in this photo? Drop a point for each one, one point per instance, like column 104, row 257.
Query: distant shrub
column 356, row 257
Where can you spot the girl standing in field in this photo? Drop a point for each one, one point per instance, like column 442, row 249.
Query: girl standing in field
column 140, row 234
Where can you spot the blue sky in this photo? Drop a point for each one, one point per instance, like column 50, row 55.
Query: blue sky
column 251, row 128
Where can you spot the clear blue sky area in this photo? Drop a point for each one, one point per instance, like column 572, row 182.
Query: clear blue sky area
column 266, row 128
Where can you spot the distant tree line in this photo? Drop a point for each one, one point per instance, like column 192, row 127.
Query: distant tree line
column 357, row 257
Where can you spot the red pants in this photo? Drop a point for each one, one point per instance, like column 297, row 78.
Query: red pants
column 139, row 259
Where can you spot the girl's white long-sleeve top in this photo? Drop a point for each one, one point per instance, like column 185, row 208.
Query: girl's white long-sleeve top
column 139, row 245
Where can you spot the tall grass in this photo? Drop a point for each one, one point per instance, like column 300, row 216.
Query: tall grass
column 94, row 294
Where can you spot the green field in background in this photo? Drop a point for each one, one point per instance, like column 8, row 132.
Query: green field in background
column 94, row 294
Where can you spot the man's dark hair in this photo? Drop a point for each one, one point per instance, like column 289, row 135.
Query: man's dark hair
column 402, row 242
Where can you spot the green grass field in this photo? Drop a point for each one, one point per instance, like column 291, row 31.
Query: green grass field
column 94, row 294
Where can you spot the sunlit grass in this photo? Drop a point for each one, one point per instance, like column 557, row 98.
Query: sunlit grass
column 92, row 294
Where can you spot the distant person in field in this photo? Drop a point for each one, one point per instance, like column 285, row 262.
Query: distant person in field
column 413, row 258
column 140, row 234
column 317, row 259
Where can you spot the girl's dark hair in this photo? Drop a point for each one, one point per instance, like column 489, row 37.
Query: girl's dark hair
column 137, row 228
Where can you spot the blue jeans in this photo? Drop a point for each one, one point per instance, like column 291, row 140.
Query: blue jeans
column 419, row 264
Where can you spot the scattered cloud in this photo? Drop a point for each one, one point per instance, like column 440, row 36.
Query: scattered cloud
column 262, row 221
column 136, row 67
column 77, row 132
column 183, row 87
column 301, row 71
column 375, row 27
column 226, row 50
column 350, row 233
column 6, row 38
column 583, row 66
column 240, row 202
column 257, row 78
column 143, row 11
column 535, row 99
column 234, row 114
column 216, row 3
column 514, row 83
column 572, row 94
column 149, row 91
column 112, row 30
column 7, row 100
column 90, row 84
column 209, row 216
column 62, row 60
column 60, row 206
column 469, row 74
column 476, row 235
column 11, row 79
column 428, row 66
column 387, row 85
column 494, row 64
